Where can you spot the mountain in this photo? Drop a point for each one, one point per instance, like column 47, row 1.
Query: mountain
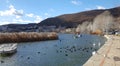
column 67, row 21
column 72, row 20
column 18, row 27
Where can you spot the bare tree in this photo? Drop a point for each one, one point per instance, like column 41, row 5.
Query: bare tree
column 103, row 22
column 85, row 27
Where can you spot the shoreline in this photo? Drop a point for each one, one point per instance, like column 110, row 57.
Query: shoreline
column 106, row 55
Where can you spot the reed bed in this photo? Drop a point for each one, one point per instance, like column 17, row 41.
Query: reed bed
column 27, row 37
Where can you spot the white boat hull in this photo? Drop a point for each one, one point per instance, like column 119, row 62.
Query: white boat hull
column 8, row 49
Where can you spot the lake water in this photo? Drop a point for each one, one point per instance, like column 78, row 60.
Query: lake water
column 67, row 51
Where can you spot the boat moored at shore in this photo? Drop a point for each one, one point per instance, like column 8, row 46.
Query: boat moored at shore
column 8, row 49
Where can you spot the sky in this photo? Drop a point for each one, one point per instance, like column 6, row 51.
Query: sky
column 34, row 11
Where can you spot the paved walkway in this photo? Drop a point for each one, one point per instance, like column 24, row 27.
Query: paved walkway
column 108, row 54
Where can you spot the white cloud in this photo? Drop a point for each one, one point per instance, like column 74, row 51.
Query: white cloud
column 96, row 7
column 2, row 22
column 38, row 19
column 5, row 22
column 100, row 7
column 18, row 13
column 46, row 14
column 30, row 15
column 11, row 12
column 75, row 2
column 21, row 21
column 16, row 16
column 15, row 21
column 15, row 11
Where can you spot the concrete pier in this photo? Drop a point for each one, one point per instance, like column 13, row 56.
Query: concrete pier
column 108, row 54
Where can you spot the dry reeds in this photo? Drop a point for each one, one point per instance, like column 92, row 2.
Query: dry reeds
column 27, row 37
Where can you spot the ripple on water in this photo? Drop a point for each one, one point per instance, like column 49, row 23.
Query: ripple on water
column 64, row 52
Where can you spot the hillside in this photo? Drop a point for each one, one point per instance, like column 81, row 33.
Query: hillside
column 72, row 20
column 19, row 27
column 83, row 21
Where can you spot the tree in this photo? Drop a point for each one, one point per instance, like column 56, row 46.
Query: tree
column 103, row 22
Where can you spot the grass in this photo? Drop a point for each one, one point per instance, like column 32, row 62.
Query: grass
column 27, row 37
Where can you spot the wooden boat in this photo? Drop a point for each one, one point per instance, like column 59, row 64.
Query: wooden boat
column 8, row 49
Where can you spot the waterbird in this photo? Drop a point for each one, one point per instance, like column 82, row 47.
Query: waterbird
column 65, row 51
column 75, row 50
column 55, row 45
column 94, row 44
column 78, row 48
column 83, row 49
column 21, row 56
column 60, row 40
column 2, row 61
column 79, row 35
column 57, row 51
column 86, row 50
column 60, row 51
column 105, row 55
column 66, row 54
column 95, row 49
column 70, row 50
column 91, row 48
column 94, row 52
column 38, row 52
column 99, row 44
column 28, row 57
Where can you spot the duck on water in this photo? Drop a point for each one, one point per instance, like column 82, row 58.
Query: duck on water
column 78, row 35
column 8, row 49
